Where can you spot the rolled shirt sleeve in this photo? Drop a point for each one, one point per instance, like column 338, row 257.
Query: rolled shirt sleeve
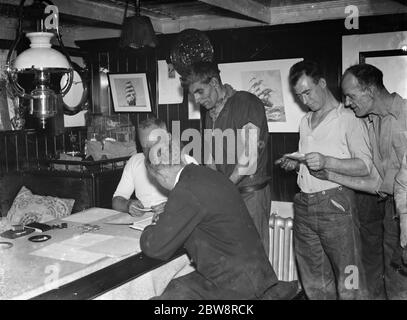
column 125, row 188
column 400, row 188
column 400, row 181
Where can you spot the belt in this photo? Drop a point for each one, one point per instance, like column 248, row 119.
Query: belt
column 384, row 196
column 252, row 188
column 324, row 192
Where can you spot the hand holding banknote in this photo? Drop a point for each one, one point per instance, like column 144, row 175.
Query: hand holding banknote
column 290, row 161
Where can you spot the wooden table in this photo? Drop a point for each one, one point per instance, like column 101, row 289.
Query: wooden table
column 132, row 275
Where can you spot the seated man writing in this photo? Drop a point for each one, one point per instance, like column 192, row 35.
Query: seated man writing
column 207, row 216
column 135, row 179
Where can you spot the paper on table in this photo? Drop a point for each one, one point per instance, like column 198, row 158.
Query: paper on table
column 144, row 209
column 68, row 253
column 142, row 223
column 123, row 219
column 85, row 240
column 91, row 215
column 116, row 247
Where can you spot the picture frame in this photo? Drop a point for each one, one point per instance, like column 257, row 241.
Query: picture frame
column 393, row 64
column 268, row 80
column 170, row 90
column 129, row 92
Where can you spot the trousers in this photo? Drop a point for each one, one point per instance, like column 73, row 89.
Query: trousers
column 259, row 205
column 327, row 245
column 371, row 214
column 395, row 283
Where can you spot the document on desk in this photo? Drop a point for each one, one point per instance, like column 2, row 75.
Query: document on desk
column 86, row 240
column 143, row 222
column 88, row 248
column 63, row 252
column 91, row 215
column 116, row 247
column 124, row 219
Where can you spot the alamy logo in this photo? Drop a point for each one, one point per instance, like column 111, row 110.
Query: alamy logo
column 53, row 272
column 352, row 280
column 352, row 20
column 238, row 147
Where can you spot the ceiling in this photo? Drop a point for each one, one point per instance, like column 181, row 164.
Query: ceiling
column 86, row 18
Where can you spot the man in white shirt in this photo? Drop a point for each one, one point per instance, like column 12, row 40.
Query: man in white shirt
column 326, row 227
column 149, row 194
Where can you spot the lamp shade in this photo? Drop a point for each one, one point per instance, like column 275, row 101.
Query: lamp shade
column 40, row 55
column 138, row 32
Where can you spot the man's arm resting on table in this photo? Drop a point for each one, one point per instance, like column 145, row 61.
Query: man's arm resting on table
column 368, row 183
column 120, row 204
column 128, row 206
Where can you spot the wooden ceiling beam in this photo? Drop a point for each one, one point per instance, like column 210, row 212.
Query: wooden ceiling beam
column 328, row 10
column 96, row 11
column 107, row 15
column 295, row 12
column 248, row 8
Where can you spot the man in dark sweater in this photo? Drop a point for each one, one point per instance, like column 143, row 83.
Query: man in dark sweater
column 207, row 216
column 242, row 114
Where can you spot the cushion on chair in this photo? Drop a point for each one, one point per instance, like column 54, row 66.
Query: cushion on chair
column 28, row 207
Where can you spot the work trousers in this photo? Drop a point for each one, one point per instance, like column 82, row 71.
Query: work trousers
column 327, row 245
column 371, row 214
column 395, row 283
column 259, row 205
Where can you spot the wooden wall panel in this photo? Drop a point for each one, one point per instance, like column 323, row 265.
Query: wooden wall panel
column 320, row 41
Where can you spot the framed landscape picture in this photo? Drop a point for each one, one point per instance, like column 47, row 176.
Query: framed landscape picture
column 268, row 80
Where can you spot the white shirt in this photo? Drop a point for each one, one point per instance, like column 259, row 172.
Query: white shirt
column 340, row 135
column 136, row 179
column 178, row 175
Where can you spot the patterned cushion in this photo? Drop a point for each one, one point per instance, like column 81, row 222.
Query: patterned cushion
column 28, row 207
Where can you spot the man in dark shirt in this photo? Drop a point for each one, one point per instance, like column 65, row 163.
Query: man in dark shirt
column 235, row 113
column 206, row 215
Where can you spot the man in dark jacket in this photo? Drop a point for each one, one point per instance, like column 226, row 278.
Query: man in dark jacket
column 206, row 215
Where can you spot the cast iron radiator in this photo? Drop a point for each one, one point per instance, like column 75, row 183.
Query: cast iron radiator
column 281, row 248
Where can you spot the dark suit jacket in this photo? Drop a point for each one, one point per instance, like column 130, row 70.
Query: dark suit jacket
column 206, row 214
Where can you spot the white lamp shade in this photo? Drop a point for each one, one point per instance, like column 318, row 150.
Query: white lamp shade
column 40, row 54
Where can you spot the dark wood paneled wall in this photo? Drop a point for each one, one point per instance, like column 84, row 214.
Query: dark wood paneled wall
column 320, row 41
column 24, row 149
column 249, row 44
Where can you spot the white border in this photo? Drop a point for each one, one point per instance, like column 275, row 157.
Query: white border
column 130, row 76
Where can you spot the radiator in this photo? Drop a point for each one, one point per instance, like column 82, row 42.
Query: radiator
column 281, row 248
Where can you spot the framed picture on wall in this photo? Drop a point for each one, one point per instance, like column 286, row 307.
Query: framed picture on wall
column 129, row 92
column 268, row 80
column 393, row 64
